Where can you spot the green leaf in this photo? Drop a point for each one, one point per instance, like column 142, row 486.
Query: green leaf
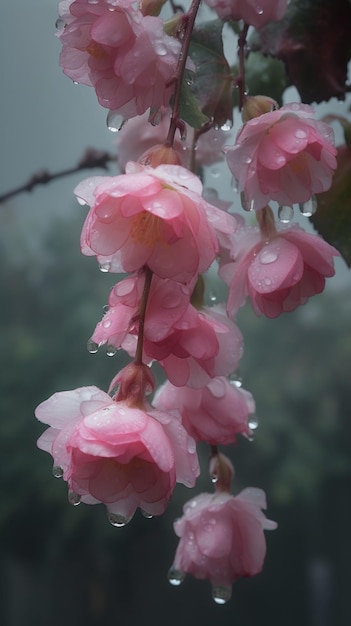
column 265, row 76
column 333, row 217
column 212, row 81
column 190, row 110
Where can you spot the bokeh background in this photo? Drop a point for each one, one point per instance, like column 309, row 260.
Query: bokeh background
column 64, row 565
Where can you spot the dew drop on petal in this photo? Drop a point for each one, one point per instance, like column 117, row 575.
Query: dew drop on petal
column 111, row 350
column 214, row 478
column 57, row 471
column 235, row 379
column 73, row 498
column 213, row 296
column 285, row 214
column 268, row 256
column 92, row 346
column 175, row 576
column 253, row 422
column 221, row 595
column 307, row 209
column 60, row 24
column 114, row 121
column 105, row 309
column 105, row 267
column 228, row 124
column 146, row 515
column 118, row 520
column 160, row 48
column 81, row 201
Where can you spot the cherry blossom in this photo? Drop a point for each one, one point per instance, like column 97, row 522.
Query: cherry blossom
column 115, row 453
column 125, row 56
column 221, row 539
column 152, row 216
column 254, row 12
column 279, row 274
column 216, row 413
column 284, row 155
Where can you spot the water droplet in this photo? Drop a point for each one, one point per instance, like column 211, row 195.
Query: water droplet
column 92, row 346
column 105, row 267
column 118, row 520
column 285, row 214
column 175, row 576
column 228, row 124
column 308, row 208
column 114, row 121
column 189, row 79
column 221, row 595
column 146, row 515
column 106, row 323
column 246, row 159
column 105, row 309
column 57, row 471
column 214, row 478
column 111, row 350
column 60, row 24
column 236, row 380
column 81, row 201
column 75, row 82
column 155, row 116
column 215, row 172
column 160, row 48
column 247, row 206
column 259, row 11
column 213, row 296
column 73, row 498
column 300, row 133
column 268, row 256
column 253, row 422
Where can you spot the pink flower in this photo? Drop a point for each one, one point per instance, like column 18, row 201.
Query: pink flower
column 254, row 12
column 215, row 413
column 138, row 135
column 167, row 303
column 154, row 217
column 284, row 155
column 278, row 275
column 110, row 452
column 222, row 539
column 125, row 56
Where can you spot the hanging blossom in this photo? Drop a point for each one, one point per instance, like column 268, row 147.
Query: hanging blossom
column 152, row 216
column 284, row 155
column 278, row 274
column 201, row 345
column 253, row 12
column 221, row 539
column 126, row 56
column 137, row 136
column 115, row 452
column 216, row 413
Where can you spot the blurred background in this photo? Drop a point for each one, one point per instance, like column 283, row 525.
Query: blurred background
column 64, row 565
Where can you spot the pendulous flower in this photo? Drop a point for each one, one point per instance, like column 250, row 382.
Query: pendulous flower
column 221, row 539
column 285, row 155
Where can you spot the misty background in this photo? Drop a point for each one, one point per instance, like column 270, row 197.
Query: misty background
column 64, row 565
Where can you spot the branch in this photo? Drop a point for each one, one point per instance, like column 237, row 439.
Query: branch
column 91, row 159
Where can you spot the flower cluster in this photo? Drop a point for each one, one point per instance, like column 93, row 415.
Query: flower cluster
column 152, row 223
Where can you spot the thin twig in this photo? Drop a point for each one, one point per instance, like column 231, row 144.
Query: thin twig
column 91, row 159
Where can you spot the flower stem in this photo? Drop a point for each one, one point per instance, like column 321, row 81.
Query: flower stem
column 241, row 54
column 189, row 20
column 142, row 313
column 266, row 222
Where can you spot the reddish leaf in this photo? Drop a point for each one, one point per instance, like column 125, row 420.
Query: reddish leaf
column 314, row 41
column 333, row 217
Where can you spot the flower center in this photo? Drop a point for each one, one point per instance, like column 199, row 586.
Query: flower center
column 95, row 50
column 146, row 229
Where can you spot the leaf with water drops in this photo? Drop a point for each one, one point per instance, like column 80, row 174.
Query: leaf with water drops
column 332, row 219
column 211, row 86
column 313, row 40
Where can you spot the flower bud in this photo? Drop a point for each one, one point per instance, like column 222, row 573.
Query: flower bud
column 160, row 155
column 257, row 105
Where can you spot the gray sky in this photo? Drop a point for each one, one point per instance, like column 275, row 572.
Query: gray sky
column 47, row 121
